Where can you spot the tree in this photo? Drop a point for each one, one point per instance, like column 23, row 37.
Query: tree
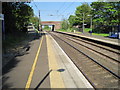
column 9, row 16
column 73, row 21
column 65, row 24
column 24, row 13
column 17, row 16
column 35, row 21
column 83, row 11
column 105, row 13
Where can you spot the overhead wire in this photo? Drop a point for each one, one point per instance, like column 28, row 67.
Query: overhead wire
column 65, row 16
column 68, row 6
column 61, row 6
column 59, row 9
column 35, row 5
column 68, row 14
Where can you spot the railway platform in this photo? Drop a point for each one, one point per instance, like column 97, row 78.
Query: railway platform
column 63, row 69
column 45, row 65
column 105, row 40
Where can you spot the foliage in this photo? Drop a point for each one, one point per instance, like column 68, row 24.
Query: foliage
column 101, row 34
column 64, row 30
column 17, row 15
column 105, row 14
column 87, row 29
column 72, row 20
column 65, row 24
column 14, row 40
column 34, row 20
column 46, row 27
column 83, row 11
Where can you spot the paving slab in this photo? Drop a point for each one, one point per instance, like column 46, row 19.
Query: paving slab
column 53, row 69
column 71, row 76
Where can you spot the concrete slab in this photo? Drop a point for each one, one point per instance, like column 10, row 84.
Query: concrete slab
column 64, row 73
column 71, row 76
column 40, row 77
column 56, row 80
column 16, row 72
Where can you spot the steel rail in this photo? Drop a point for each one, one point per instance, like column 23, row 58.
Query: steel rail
column 90, row 58
column 96, row 51
column 92, row 40
column 95, row 45
column 80, row 69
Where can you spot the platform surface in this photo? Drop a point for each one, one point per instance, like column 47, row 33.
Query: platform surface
column 96, row 38
column 45, row 65
column 70, row 77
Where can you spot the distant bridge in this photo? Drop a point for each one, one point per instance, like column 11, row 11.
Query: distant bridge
column 55, row 24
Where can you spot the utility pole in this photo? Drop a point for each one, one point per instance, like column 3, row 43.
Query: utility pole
column 83, row 22
column 91, row 23
column 39, row 21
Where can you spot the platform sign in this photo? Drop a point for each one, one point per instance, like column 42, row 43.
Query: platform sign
column 3, row 26
column 1, row 16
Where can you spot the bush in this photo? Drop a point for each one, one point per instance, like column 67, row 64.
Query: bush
column 102, row 29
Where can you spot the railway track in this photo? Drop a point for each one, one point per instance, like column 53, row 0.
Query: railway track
column 103, row 51
column 103, row 76
column 105, row 60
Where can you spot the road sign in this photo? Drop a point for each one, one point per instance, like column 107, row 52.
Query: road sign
column 1, row 16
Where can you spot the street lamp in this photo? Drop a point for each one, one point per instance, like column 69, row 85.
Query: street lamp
column 83, row 21
column 90, row 22
column 39, row 22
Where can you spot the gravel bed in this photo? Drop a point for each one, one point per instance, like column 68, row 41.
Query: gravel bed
column 100, row 77
column 97, row 49
column 102, row 60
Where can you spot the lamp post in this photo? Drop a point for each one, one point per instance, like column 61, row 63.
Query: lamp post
column 39, row 22
column 90, row 22
column 83, row 21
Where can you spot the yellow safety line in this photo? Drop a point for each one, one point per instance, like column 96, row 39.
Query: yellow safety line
column 55, row 76
column 33, row 67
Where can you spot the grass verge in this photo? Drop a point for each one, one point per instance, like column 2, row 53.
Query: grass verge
column 86, row 30
column 101, row 34
column 63, row 30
